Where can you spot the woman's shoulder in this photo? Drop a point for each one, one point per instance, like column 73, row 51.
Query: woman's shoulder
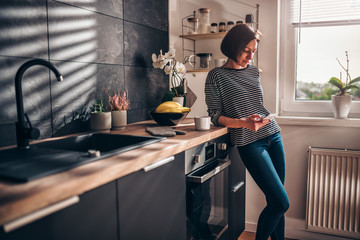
column 253, row 68
column 213, row 74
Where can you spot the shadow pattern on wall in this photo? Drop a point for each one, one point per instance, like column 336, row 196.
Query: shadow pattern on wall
column 94, row 44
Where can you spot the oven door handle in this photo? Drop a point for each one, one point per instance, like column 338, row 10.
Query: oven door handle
column 200, row 179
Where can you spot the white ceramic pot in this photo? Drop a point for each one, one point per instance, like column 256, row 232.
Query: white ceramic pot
column 100, row 121
column 118, row 119
column 179, row 100
column 341, row 105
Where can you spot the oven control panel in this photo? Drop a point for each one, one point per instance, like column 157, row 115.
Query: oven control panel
column 206, row 152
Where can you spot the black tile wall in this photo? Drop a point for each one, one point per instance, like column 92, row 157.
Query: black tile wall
column 23, row 28
column 108, row 7
column 142, row 12
column 94, row 44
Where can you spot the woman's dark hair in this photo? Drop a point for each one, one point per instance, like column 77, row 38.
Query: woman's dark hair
column 237, row 39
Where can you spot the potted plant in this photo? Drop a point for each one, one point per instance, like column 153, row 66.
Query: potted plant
column 118, row 104
column 100, row 119
column 176, row 70
column 341, row 102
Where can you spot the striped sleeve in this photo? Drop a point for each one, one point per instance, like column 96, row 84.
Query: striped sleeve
column 213, row 98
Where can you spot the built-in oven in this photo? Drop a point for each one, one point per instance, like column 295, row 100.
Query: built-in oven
column 206, row 169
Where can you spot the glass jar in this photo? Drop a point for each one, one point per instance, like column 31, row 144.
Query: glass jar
column 222, row 27
column 193, row 25
column 204, row 59
column 214, row 28
column 239, row 22
column 204, row 26
column 230, row 24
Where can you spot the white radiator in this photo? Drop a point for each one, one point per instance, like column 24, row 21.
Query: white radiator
column 333, row 192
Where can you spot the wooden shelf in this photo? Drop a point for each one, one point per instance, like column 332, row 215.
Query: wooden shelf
column 204, row 36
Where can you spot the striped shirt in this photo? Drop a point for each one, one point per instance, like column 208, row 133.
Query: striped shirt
column 237, row 93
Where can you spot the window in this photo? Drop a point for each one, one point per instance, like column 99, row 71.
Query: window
column 314, row 34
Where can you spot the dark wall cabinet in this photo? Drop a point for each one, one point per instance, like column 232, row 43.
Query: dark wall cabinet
column 152, row 204
column 92, row 218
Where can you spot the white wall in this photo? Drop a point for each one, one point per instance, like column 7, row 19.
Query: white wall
column 297, row 138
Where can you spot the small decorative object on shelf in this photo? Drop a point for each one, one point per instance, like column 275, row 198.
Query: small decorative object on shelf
column 214, row 28
column 222, row 27
column 341, row 102
column 193, row 25
column 204, row 60
column 204, row 26
column 230, row 24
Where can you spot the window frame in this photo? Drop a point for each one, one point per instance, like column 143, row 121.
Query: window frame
column 288, row 106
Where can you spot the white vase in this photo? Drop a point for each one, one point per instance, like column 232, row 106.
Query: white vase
column 100, row 121
column 179, row 100
column 341, row 105
column 118, row 119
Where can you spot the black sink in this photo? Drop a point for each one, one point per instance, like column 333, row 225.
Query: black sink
column 46, row 158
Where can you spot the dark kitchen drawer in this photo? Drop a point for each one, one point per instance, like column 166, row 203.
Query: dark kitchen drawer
column 92, row 218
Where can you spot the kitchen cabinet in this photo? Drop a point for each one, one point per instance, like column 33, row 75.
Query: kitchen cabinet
column 152, row 203
column 236, row 195
column 92, row 218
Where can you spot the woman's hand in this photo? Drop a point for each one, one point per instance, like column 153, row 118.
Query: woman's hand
column 254, row 122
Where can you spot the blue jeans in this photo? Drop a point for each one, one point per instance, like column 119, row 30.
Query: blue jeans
column 265, row 161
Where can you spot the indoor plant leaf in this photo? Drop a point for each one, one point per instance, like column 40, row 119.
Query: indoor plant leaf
column 354, row 80
column 336, row 82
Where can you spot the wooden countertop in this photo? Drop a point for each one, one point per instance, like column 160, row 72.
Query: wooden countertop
column 19, row 199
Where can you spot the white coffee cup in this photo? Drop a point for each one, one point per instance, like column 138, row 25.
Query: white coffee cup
column 219, row 62
column 202, row 123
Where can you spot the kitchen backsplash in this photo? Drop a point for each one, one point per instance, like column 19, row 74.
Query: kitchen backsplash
column 94, row 44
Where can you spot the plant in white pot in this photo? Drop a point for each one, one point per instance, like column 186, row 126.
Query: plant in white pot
column 341, row 102
column 100, row 119
column 119, row 103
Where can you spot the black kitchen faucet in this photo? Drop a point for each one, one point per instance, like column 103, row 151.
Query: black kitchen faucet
column 24, row 133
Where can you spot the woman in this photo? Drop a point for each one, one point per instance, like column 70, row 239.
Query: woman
column 235, row 99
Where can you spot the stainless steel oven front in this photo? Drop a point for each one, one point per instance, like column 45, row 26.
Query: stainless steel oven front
column 206, row 169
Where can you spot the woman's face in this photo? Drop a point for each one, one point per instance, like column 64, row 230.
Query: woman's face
column 247, row 54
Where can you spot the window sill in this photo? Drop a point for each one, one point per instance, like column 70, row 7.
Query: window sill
column 318, row 121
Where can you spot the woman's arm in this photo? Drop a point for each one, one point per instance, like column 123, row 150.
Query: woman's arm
column 254, row 123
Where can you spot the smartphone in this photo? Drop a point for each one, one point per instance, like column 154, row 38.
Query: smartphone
column 272, row 115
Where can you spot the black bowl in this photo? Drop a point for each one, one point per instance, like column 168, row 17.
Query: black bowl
column 168, row 119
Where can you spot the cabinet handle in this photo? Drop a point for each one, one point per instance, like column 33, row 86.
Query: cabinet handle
column 158, row 164
column 32, row 217
column 237, row 187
